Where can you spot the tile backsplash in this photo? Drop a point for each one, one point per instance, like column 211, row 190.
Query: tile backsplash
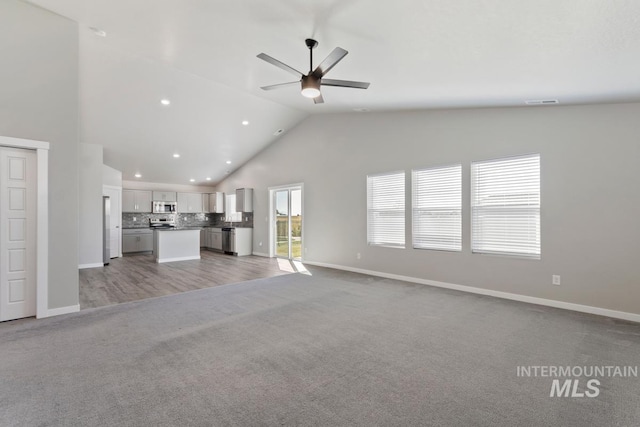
column 186, row 219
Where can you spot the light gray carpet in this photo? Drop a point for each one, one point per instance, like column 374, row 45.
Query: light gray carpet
column 332, row 349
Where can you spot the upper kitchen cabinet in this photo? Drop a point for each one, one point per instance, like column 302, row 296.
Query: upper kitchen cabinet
column 216, row 202
column 136, row 201
column 244, row 200
column 165, row 196
column 190, row 202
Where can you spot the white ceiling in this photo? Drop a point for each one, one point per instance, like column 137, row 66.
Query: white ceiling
column 416, row 53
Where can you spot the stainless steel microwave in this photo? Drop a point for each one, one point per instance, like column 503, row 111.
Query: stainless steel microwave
column 160, row 206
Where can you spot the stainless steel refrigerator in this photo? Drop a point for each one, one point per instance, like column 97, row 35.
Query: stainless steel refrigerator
column 106, row 230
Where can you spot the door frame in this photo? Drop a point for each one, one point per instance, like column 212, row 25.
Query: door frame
column 119, row 190
column 42, row 218
column 272, row 219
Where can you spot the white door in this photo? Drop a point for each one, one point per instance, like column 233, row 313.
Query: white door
column 115, row 220
column 17, row 233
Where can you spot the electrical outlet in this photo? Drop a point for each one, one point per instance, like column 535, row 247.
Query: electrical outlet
column 260, row 244
column 206, row 218
column 135, row 219
column 555, row 279
column 358, row 255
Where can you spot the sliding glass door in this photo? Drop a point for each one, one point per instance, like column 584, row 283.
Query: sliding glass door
column 287, row 203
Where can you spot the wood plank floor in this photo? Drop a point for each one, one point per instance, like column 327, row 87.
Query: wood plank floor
column 138, row 277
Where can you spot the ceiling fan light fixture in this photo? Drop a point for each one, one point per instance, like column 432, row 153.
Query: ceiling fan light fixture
column 310, row 87
column 312, row 81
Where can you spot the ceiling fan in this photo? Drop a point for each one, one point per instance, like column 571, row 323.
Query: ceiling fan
column 314, row 79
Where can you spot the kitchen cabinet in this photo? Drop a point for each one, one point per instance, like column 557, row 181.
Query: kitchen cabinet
column 165, row 196
column 137, row 240
column 243, row 241
column 207, row 238
column 215, row 239
column 189, row 202
column 244, row 200
column 216, row 202
column 136, row 201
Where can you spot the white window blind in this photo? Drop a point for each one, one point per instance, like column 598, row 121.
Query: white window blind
column 230, row 213
column 437, row 208
column 385, row 209
column 505, row 206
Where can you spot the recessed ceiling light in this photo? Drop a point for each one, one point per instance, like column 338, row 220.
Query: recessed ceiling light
column 165, row 102
column 245, row 122
column 98, row 32
column 192, row 180
column 138, row 175
column 228, row 162
column 208, row 178
column 176, row 155
column 278, row 132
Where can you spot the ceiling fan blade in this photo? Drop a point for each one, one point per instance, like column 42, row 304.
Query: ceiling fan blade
column 344, row 83
column 279, row 64
column 318, row 99
column 279, row 85
column 329, row 62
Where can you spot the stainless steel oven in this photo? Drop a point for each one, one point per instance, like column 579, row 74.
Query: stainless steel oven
column 160, row 206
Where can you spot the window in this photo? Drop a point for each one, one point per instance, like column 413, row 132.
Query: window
column 230, row 213
column 385, row 209
column 437, row 208
column 505, row 206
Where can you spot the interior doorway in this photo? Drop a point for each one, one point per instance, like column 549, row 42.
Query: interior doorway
column 287, row 216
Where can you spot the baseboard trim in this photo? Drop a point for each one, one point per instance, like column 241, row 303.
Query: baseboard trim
column 498, row 294
column 62, row 310
column 261, row 254
column 186, row 258
column 83, row 266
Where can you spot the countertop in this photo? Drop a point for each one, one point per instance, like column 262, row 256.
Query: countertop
column 146, row 227
column 223, row 226
column 178, row 228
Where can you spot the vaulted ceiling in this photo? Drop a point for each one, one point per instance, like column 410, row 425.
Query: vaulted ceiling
column 201, row 55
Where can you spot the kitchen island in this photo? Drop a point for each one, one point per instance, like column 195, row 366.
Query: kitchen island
column 176, row 244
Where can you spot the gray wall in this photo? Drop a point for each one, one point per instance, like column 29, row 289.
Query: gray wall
column 39, row 100
column 111, row 176
column 590, row 202
column 91, row 175
column 158, row 186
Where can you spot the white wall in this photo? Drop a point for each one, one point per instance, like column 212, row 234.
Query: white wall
column 39, row 101
column 590, row 205
column 90, row 234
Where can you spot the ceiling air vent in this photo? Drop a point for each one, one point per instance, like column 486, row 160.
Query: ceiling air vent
column 278, row 132
column 541, row 101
